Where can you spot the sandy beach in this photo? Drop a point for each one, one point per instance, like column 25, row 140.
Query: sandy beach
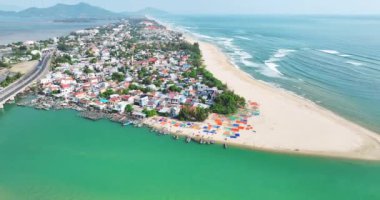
column 287, row 123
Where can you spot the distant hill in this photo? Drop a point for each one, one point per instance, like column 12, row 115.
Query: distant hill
column 64, row 11
column 79, row 11
column 147, row 11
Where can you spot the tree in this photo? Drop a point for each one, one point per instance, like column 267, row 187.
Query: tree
column 63, row 59
column 3, row 64
column 188, row 113
column 119, row 77
column 87, row 70
column 174, row 88
column 63, row 47
column 123, row 91
column 128, row 109
column 36, row 56
column 68, row 72
column 93, row 60
column 157, row 83
column 227, row 103
column 107, row 94
column 149, row 113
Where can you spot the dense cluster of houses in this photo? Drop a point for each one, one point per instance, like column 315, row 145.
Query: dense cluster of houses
column 110, row 67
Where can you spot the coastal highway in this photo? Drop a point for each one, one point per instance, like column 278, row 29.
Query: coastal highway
column 12, row 90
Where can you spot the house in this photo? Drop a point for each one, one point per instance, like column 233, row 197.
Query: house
column 138, row 115
column 142, row 101
column 174, row 111
column 120, row 106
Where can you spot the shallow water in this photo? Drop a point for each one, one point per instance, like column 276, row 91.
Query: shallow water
column 13, row 29
column 58, row 155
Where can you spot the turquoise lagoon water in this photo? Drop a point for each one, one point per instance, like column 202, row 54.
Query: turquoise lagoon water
column 47, row 155
column 332, row 60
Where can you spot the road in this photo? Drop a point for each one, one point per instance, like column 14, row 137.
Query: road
column 18, row 86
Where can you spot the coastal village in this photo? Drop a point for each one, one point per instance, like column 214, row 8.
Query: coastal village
column 138, row 71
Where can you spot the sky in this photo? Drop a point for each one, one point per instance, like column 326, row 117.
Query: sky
column 219, row 6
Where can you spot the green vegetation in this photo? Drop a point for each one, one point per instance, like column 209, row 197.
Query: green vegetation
column 56, row 92
column 174, row 88
column 198, row 69
column 123, row 91
column 36, row 56
column 150, row 113
column 68, row 72
column 227, row 103
column 93, row 60
column 142, row 73
column 128, row 109
column 157, row 83
column 87, row 70
column 119, row 77
column 10, row 79
column 188, row 113
column 63, row 59
column 208, row 77
column 107, row 94
column 63, row 47
column 3, row 64
column 134, row 87
column 89, row 53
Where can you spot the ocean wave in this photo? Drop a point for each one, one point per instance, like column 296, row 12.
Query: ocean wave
column 273, row 66
column 354, row 63
column 271, row 63
column 243, row 38
column 345, row 55
column 281, row 53
column 334, row 52
column 236, row 54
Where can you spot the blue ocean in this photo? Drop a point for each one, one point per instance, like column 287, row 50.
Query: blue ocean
column 331, row 60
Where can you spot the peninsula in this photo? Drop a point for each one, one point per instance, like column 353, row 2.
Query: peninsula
column 139, row 70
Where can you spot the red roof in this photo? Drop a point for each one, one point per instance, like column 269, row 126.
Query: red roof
column 64, row 86
column 152, row 60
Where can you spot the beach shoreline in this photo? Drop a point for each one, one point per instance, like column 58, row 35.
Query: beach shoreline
column 288, row 123
column 349, row 132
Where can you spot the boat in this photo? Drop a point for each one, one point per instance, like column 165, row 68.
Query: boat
column 127, row 123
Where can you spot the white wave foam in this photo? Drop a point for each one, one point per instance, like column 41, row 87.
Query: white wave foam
column 354, row 63
column 281, row 53
column 330, row 52
column 273, row 66
column 271, row 63
column 334, row 52
column 345, row 55
column 243, row 38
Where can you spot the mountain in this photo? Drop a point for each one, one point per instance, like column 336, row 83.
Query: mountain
column 64, row 11
column 147, row 11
